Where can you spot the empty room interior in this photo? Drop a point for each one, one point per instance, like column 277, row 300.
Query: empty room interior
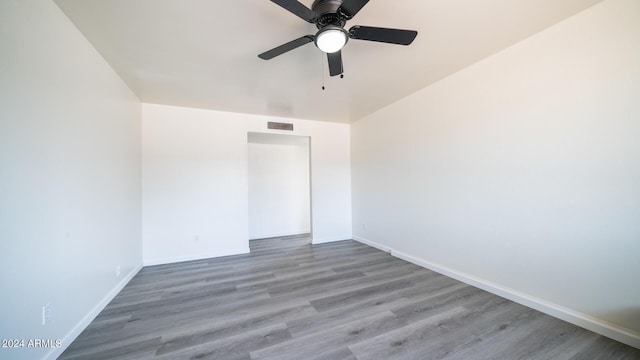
column 328, row 179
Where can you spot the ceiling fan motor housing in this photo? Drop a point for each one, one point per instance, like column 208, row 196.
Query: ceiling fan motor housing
column 328, row 13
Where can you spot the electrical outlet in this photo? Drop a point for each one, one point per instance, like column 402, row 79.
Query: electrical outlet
column 364, row 226
column 46, row 313
column 196, row 238
column 117, row 270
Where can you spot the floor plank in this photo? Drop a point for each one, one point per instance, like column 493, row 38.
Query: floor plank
column 288, row 299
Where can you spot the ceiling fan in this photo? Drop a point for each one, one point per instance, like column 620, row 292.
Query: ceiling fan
column 330, row 17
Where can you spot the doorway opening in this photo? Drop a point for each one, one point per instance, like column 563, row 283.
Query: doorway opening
column 279, row 190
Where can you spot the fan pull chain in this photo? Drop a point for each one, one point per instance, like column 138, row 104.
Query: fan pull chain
column 322, row 66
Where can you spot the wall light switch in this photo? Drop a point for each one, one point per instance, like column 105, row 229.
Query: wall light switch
column 46, row 313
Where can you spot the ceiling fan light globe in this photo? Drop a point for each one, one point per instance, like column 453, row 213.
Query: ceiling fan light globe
column 331, row 39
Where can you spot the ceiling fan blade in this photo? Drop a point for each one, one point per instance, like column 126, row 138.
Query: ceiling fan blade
column 351, row 7
column 268, row 55
column 335, row 63
column 390, row 36
column 297, row 9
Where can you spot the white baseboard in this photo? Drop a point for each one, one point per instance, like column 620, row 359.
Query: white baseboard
column 324, row 240
column 586, row 321
column 87, row 319
column 372, row 244
column 277, row 235
column 171, row 260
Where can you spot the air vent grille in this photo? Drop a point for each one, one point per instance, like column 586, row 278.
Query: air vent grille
column 279, row 126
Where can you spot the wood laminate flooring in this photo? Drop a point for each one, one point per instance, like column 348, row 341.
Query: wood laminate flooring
column 337, row 301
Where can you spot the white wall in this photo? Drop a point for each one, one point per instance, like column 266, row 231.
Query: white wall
column 195, row 181
column 279, row 189
column 69, row 177
column 521, row 173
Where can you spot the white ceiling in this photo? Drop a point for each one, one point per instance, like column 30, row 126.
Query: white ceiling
column 203, row 53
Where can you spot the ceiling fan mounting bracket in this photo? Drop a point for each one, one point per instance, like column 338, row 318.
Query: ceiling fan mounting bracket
column 322, row 7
